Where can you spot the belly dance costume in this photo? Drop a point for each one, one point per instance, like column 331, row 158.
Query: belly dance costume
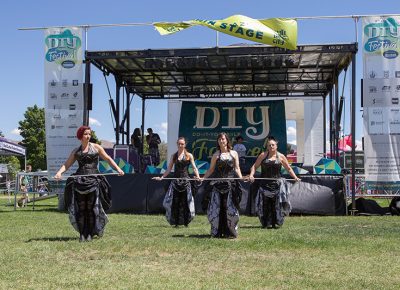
column 179, row 201
column 272, row 203
column 223, row 198
column 86, row 197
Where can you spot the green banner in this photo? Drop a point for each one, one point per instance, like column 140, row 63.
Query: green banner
column 280, row 32
column 200, row 123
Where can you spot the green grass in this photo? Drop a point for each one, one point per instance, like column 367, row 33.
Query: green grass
column 40, row 250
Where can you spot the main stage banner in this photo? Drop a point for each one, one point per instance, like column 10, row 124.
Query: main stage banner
column 381, row 95
column 200, row 123
column 280, row 32
column 63, row 93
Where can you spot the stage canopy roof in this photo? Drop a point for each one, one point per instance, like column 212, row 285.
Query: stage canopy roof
column 232, row 71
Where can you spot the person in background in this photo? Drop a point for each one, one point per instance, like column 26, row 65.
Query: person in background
column 26, row 180
column 153, row 140
column 25, row 187
column 178, row 201
column 239, row 146
column 222, row 197
column 87, row 195
column 272, row 203
column 136, row 140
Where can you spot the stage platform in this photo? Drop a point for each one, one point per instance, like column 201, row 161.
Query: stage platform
column 315, row 195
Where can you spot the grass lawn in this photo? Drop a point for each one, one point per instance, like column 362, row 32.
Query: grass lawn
column 40, row 250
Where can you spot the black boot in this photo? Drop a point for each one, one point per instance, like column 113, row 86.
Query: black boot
column 268, row 213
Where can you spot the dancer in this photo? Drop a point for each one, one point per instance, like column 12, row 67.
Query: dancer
column 223, row 196
column 178, row 201
column 272, row 202
column 87, row 196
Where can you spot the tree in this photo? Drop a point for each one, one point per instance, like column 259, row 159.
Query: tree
column 32, row 130
column 1, row 134
column 289, row 149
column 163, row 148
column 94, row 138
column 13, row 166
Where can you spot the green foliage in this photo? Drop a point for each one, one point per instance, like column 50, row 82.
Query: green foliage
column 145, row 146
column 32, row 130
column 1, row 134
column 13, row 165
column 94, row 138
column 289, row 149
column 163, row 148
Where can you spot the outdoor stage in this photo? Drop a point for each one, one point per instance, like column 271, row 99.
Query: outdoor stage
column 306, row 80
column 315, row 194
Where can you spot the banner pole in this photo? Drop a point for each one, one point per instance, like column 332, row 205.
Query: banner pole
column 353, row 133
column 356, row 27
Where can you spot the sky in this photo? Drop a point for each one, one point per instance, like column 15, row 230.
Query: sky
column 22, row 52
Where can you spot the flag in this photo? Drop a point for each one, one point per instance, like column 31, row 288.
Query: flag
column 279, row 32
column 345, row 143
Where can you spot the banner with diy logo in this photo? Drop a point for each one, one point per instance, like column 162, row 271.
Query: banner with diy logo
column 381, row 95
column 201, row 122
column 63, row 77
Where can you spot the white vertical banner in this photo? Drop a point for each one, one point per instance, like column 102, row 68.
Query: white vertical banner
column 381, row 91
column 63, row 93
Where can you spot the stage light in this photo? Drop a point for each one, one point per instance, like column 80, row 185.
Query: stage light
column 153, row 63
column 170, row 63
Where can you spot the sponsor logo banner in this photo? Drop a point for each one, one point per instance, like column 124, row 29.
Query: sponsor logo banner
column 381, row 91
column 63, row 94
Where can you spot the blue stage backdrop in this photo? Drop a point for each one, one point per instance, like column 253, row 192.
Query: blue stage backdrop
column 201, row 122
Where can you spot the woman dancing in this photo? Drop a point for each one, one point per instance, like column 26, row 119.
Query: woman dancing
column 223, row 196
column 272, row 202
column 87, row 195
column 178, row 201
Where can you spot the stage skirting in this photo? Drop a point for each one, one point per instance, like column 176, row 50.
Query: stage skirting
column 316, row 194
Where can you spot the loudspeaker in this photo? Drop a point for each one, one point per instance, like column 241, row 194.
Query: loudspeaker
column 88, row 90
column 345, row 160
column 395, row 206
